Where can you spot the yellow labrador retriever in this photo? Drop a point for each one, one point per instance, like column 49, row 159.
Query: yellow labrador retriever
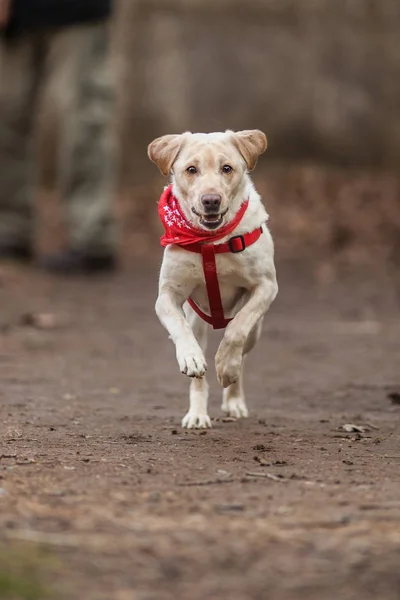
column 218, row 266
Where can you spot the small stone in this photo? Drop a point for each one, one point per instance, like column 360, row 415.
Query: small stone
column 154, row 497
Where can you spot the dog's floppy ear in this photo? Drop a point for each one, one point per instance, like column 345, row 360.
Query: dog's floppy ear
column 250, row 143
column 164, row 150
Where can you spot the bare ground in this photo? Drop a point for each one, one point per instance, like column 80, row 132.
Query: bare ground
column 284, row 505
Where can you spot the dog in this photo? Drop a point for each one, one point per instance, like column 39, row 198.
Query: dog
column 218, row 264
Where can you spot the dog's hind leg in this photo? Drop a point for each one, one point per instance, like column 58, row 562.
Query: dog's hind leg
column 197, row 416
column 233, row 399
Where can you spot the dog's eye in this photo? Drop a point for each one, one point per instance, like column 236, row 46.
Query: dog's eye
column 192, row 170
column 227, row 169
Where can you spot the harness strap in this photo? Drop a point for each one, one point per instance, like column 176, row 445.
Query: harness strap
column 235, row 244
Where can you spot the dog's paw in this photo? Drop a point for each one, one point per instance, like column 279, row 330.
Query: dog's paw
column 228, row 363
column 194, row 420
column 228, row 376
column 192, row 363
column 235, row 407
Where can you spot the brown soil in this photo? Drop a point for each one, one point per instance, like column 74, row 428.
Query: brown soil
column 283, row 505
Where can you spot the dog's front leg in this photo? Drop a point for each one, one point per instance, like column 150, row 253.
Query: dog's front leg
column 197, row 415
column 229, row 358
column 169, row 310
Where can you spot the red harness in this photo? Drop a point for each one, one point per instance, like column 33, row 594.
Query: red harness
column 180, row 232
column 235, row 244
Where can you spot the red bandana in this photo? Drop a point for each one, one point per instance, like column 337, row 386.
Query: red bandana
column 179, row 231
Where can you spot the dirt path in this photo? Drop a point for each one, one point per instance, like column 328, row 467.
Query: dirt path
column 284, row 505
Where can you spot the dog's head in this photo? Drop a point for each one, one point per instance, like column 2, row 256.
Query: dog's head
column 209, row 171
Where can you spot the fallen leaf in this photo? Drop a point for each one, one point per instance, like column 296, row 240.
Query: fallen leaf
column 351, row 428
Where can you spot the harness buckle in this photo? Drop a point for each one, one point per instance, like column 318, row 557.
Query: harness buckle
column 233, row 246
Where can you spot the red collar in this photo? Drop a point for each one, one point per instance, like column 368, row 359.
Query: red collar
column 180, row 232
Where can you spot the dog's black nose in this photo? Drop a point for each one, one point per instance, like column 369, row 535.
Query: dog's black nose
column 211, row 202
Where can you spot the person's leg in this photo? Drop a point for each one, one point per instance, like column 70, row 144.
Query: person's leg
column 17, row 88
column 79, row 84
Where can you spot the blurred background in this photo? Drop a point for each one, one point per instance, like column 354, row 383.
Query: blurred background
column 319, row 77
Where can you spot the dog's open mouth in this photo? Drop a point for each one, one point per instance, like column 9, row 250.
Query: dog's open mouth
column 211, row 220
